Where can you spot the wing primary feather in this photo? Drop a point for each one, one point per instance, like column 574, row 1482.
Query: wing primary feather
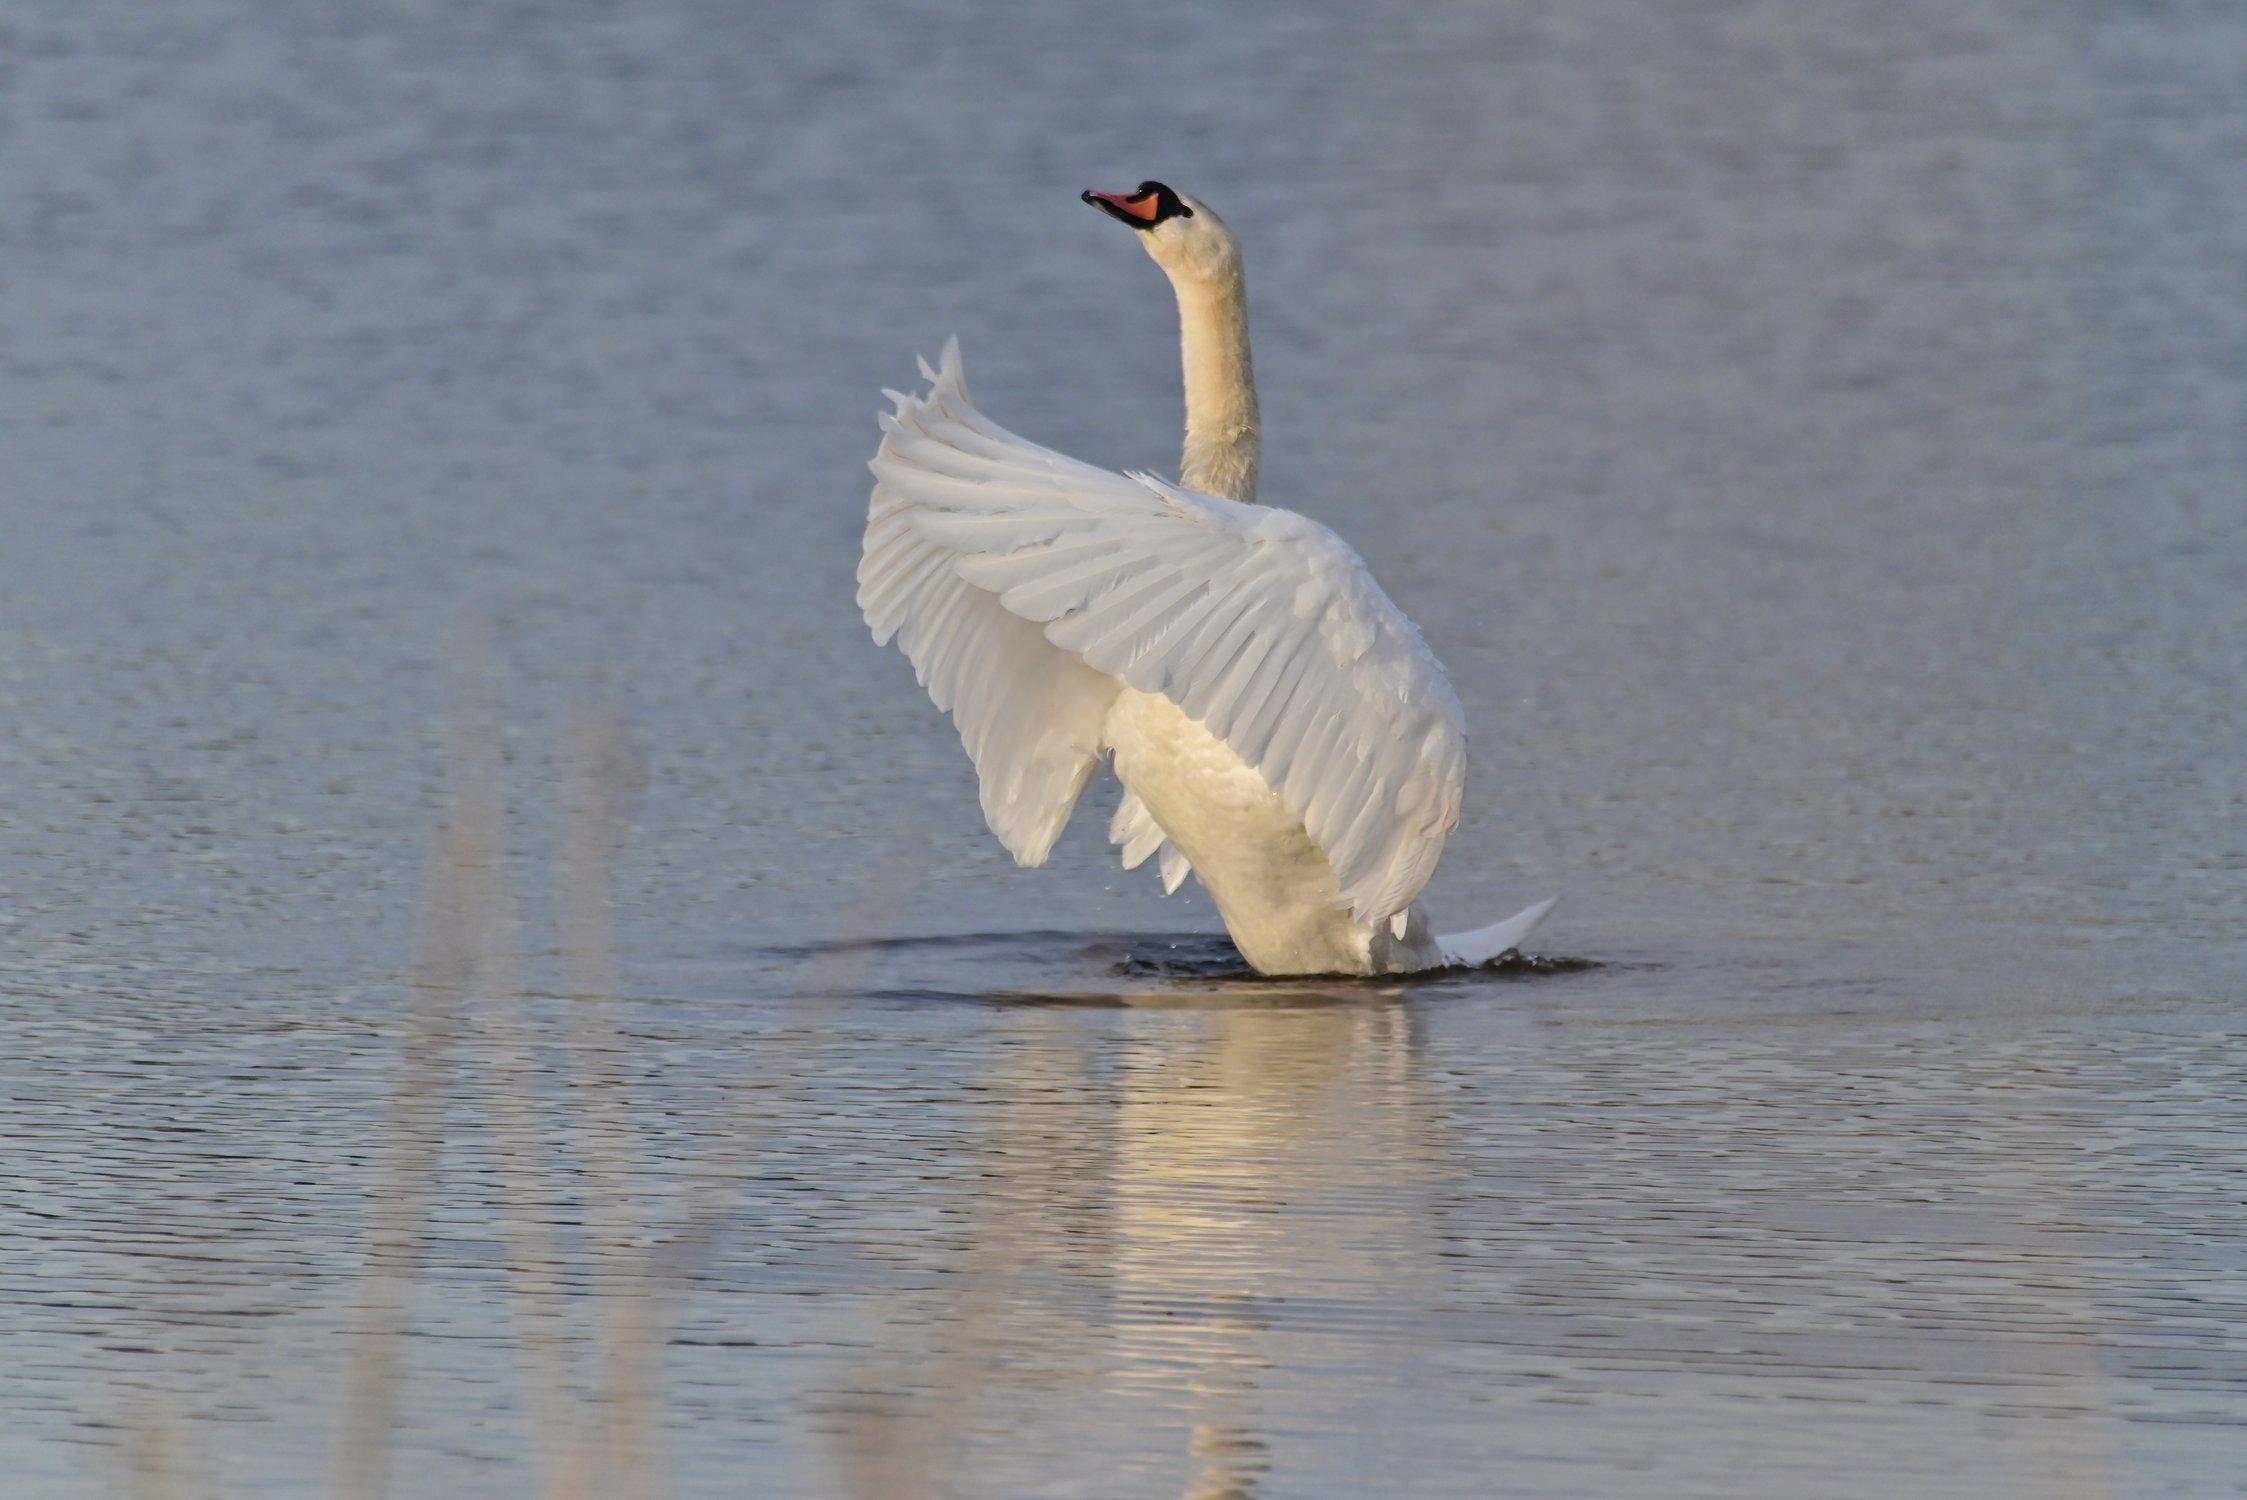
column 1268, row 721
column 1126, row 640
column 1208, row 669
column 1224, row 695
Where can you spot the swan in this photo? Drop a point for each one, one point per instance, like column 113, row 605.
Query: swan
column 1280, row 729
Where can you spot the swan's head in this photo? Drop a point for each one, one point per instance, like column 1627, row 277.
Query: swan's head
column 1180, row 232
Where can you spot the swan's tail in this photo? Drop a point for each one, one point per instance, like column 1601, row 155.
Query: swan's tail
column 1486, row 943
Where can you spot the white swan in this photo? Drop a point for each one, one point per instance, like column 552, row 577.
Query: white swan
column 1279, row 726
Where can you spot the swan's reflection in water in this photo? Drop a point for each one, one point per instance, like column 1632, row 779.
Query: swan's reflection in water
column 1220, row 1139
column 1244, row 1162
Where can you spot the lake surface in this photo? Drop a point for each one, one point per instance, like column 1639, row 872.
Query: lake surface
column 503, row 988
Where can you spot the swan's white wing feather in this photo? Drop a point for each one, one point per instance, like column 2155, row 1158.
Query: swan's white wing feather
column 1136, row 830
column 1259, row 623
column 1175, row 868
column 1028, row 714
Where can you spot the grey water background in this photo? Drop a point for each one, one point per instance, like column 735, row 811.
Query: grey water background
column 1812, row 434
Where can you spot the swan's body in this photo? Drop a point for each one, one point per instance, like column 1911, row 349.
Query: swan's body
column 1280, row 728
column 1272, row 886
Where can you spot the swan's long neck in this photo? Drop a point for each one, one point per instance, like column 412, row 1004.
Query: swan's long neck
column 1222, row 441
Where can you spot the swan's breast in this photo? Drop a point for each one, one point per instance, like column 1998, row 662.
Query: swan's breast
column 1275, row 890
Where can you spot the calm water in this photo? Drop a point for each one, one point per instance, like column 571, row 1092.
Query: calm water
column 1814, row 435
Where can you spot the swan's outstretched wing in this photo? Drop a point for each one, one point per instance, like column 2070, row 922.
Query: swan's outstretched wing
column 1028, row 714
column 1261, row 624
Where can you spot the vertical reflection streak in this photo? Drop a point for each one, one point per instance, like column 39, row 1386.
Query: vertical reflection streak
column 1150, row 1211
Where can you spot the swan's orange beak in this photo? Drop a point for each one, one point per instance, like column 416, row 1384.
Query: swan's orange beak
column 1136, row 209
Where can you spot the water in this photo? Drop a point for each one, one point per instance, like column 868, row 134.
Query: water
column 1811, row 434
